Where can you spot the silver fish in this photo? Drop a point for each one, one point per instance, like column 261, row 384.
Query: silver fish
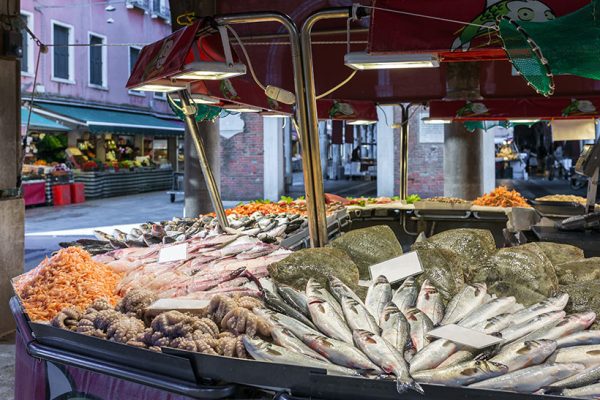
column 584, row 392
column 406, row 295
column 461, row 356
column 420, row 325
column 394, row 327
column 461, row 374
column 358, row 317
column 488, row 310
column 530, row 379
column 430, row 302
column 340, row 290
column 409, row 354
column 586, row 377
column 432, row 355
column 470, row 297
column 494, row 324
column 265, row 351
column 285, row 338
column 294, row 298
column 328, row 320
column 315, row 289
column 387, row 357
column 525, row 353
column 570, row 324
column 587, row 355
column 341, row 353
column 275, row 318
column 556, row 303
column 515, row 332
column 579, row 339
column 378, row 296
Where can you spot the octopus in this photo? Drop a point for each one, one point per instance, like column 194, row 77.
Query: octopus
column 67, row 319
column 135, row 302
column 125, row 329
column 235, row 315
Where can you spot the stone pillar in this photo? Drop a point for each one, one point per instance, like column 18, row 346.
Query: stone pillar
column 274, row 172
column 385, row 151
column 172, row 152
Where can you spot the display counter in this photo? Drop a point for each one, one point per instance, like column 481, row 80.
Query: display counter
column 34, row 192
column 118, row 183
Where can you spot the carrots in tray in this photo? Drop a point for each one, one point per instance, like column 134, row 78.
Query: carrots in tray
column 502, row 197
column 70, row 278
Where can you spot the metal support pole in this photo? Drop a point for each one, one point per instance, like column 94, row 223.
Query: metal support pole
column 311, row 105
column 189, row 109
column 592, row 192
column 404, row 132
column 317, row 224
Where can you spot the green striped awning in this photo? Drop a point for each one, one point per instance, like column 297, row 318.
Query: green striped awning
column 40, row 123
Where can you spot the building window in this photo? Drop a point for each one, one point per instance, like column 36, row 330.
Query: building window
column 63, row 63
column 160, row 96
column 134, row 53
column 97, row 60
column 27, row 57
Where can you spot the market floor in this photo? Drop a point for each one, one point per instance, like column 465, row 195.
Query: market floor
column 7, row 368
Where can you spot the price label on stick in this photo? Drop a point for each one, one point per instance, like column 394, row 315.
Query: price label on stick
column 398, row 268
column 465, row 336
column 173, row 253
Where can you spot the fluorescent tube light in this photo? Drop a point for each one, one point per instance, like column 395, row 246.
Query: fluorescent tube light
column 365, row 61
column 202, row 70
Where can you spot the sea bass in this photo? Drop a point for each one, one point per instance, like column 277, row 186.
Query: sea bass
column 461, row 374
column 341, row 353
column 294, row 298
column 515, row 332
column 530, row 379
column 276, row 303
column 378, row 296
column 470, row 297
column 587, row 355
column 461, row 356
column 339, row 290
column 315, row 289
column 395, row 327
column 570, row 324
column 328, row 320
column 430, row 302
column 579, row 339
column 358, row 317
column 420, row 325
column 274, row 318
column 432, row 355
column 406, row 295
column 556, row 303
column 525, row 353
column 285, row 338
column 586, row 377
column 488, row 310
column 585, row 392
column 387, row 357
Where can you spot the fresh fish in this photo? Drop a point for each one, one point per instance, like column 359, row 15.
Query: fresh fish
column 420, row 325
column 358, row 317
column 515, row 332
column 315, row 289
column 494, row 324
column 432, row 355
column 265, row 351
column 406, row 295
column 341, row 353
column 570, row 324
column 525, row 353
column 294, row 298
column 465, row 301
column 295, row 326
column 579, row 339
column 394, row 327
column 285, row 338
column 488, row 310
column 587, row 355
column 430, row 302
column 340, row 290
column 556, row 303
column 409, row 354
column 461, row 374
column 461, row 356
column 530, row 379
column 276, row 303
column 586, row 377
column 387, row 357
column 378, row 296
column 584, row 392
column 328, row 320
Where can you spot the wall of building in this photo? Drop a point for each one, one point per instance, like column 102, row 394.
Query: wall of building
column 131, row 26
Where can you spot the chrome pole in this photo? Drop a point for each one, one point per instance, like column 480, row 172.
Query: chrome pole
column 404, row 144
column 189, row 110
column 310, row 158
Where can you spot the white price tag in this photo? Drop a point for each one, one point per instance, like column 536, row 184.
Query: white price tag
column 182, row 305
column 465, row 336
column 398, row 268
column 173, row 253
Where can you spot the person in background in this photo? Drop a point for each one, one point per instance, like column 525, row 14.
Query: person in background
column 355, row 154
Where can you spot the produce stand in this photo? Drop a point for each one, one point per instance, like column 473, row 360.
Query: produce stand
column 107, row 184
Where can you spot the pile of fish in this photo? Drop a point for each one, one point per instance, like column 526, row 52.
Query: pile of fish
column 270, row 228
column 543, row 351
column 221, row 264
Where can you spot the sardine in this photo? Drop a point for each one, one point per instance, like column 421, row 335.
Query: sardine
column 556, row 303
column 461, row 374
column 294, row 298
column 584, row 392
column 358, row 317
column 295, row 326
column 406, row 295
column 285, row 338
column 515, row 332
column 488, row 310
column 378, row 296
column 328, row 320
column 470, row 297
column 341, row 353
column 276, row 303
column 420, row 325
column 432, row 355
column 579, row 339
column 461, row 356
column 530, row 379
column 315, row 289
column 525, row 353
column 387, row 357
column 394, row 327
column 586, row 377
column 587, row 355
column 265, row 351
column 340, row 290
column 570, row 324
column 430, row 302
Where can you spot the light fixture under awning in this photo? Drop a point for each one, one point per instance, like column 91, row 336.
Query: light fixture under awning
column 365, row 61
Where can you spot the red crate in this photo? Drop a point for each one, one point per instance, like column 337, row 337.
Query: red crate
column 77, row 193
column 61, row 195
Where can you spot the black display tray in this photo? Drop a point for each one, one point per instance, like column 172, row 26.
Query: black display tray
column 558, row 209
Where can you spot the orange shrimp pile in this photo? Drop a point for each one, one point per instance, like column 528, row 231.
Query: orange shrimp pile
column 502, row 197
column 70, row 278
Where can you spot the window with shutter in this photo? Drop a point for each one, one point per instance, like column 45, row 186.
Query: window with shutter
column 25, row 45
column 134, row 53
column 61, row 52
column 96, row 61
